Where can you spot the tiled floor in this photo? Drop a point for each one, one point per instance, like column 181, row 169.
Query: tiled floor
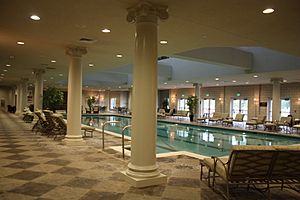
column 36, row 167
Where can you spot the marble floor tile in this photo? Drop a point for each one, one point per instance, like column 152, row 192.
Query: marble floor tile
column 81, row 182
column 65, row 192
column 21, row 164
column 26, row 175
column 92, row 195
column 68, row 171
column 33, row 189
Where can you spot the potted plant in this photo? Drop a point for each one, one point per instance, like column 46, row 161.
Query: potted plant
column 52, row 97
column 91, row 100
column 192, row 104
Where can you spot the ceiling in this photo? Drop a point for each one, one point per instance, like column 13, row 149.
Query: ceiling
column 228, row 39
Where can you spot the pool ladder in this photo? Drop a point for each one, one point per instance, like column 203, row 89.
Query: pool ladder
column 103, row 126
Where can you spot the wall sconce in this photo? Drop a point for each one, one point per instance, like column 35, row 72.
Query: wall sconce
column 254, row 99
column 298, row 99
column 220, row 99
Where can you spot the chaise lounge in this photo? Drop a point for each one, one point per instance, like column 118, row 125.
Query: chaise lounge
column 254, row 165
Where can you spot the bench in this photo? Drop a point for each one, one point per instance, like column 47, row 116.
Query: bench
column 253, row 165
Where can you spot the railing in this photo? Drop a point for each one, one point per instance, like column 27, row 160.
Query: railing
column 123, row 130
column 103, row 126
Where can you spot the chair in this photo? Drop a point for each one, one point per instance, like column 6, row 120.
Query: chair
column 88, row 110
column 216, row 117
column 52, row 128
column 254, row 122
column 245, row 165
column 171, row 112
column 161, row 113
column 96, row 109
column 285, row 122
column 41, row 124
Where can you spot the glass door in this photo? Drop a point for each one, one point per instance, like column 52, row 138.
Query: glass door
column 209, row 107
column 239, row 106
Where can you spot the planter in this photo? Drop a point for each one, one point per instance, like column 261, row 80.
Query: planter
column 191, row 118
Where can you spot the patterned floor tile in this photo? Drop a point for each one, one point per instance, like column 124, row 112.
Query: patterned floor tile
column 17, row 157
column 15, row 196
column 26, row 175
column 21, row 164
column 184, row 182
column 81, row 182
column 182, row 193
column 51, row 155
column 93, row 195
column 59, row 162
column 6, row 171
column 33, row 189
column 44, row 168
column 53, row 179
column 65, row 192
column 7, row 184
column 15, row 151
column 150, row 191
column 68, row 171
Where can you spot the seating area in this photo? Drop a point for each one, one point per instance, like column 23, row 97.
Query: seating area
column 269, row 166
column 53, row 125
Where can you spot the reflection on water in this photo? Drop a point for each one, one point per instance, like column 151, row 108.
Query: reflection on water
column 200, row 140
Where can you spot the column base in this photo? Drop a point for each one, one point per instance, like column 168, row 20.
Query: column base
column 144, row 182
column 74, row 140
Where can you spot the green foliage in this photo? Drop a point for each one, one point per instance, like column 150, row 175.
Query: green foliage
column 192, row 103
column 91, row 100
column 52, row 97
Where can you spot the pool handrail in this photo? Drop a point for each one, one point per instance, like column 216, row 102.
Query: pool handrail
column 123, row 130
column 103, row 126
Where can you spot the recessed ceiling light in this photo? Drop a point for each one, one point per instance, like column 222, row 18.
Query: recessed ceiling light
column 2, row 74
column 53, row 61
column 217, row 78
column 187, row 81
column 20, row 43
column 165, row 83
column 119, row 86
column 247, row 82
column 119, row 55
column 91, row 65
column 51, row 77
column 60, row 74
column 105, row 30
column 7, row 65
column 217, row 84
column 35, row 17
column 234, row 81
column 255, row 76
column 45, row 80
column 163, row 42
column 5, row 70
column 268, row 10
column 284, row 81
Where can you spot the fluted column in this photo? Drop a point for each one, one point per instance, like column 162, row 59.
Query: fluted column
column 276, row 98
column 74, row 94
column 38, row 89
column 198, row 94
column 23, row 93
column 142, row 170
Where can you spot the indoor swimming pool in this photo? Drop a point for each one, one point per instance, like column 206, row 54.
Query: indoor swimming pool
column 172, row 137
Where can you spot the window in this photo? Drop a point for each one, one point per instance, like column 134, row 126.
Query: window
column 285, row 108
column 239, row 106
column 113, row 103
column 209, row 107
column 182, row 105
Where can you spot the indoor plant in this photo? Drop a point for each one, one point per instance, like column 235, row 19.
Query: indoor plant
column 192, row 104
column 90, row 102
column 52, row 98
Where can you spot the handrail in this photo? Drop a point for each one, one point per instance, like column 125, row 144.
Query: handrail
column 103, row 125
column 123, row 130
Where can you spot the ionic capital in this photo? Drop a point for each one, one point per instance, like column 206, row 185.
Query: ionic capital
column 145, row 11
column 276, row 80
column 76, row 51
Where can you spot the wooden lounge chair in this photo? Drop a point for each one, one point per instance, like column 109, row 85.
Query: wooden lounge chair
column 254, row 122
column 216, row 117
column 96, row 109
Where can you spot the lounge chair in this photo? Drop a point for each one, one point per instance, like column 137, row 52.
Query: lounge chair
column 63, row 127
column 253, row 165
column 284, row 122
column 254, row 122
column 161, row 113
column 171, row 112
column 41, row 124
column 216, row 117
column 238, row 118
column 96, row 109
column 88, row 110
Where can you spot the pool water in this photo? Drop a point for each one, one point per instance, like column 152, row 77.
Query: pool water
column 173, row 137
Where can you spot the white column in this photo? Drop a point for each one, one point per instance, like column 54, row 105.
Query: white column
column 198, row 95
column 23, row 93
column 38, row 89
column 130, row 99
column 276, row 98
column 74, row 135
column 18, row 106
column 142, row 170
